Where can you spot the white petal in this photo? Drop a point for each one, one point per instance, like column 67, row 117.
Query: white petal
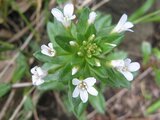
column 130, row 30
column 120, row 24
column 76, row 92
column 84, row 96
column 98, row 64
column 75, row 81
column 72, row 17
column 41, row 72
column 74, row 70
column 57, row 14
column 92, row 91
column 134, row 66
column 113, row 45
column 128, row 75
column 44, row 47
column 68, row 10
column 50, row 45
column 33, row 70
column 66, row 23
column 37, row 80
column 128, row 25
column 127, row 61
column 117, row 63
column 92, row 17
column 49, row 51
column 90, row 81
column 46, row 52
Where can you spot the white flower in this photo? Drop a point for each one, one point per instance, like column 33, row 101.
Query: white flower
column 123, row 25
column 126, row 67
column 37, row 75
column 92, row 17
column 65, row 17
column 48, row 50
column 73, row 43
column 75, row 70
column 98, row 64
column 83, row 88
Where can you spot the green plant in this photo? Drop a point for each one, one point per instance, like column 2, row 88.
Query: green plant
column 82, row 53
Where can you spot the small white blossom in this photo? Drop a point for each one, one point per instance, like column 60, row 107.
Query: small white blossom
column 67, row 15
column 98, row 64
column 73, row 43
column 48, row 50
column 75, row 70
column 126, row 67
column 113, row 45
column 123, row 25
column 37, row 75
column 92, row 17
column 84, row 87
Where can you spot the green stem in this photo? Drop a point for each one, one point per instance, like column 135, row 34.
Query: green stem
column 146, row 17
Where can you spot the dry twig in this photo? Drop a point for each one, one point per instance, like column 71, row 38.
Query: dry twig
column 6, row 105
column 21, row 85
column 59, row 101
column 20, row 105
column 99, row 4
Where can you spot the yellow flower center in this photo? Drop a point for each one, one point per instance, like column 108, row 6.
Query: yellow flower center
column 82, row 86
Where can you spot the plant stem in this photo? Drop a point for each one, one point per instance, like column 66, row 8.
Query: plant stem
column 146, row 17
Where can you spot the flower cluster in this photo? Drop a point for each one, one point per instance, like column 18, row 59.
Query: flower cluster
column 81, row 51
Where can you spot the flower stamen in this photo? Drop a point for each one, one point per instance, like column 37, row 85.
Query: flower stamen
column 82, row 86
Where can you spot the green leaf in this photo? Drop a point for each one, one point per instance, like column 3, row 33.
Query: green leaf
column 142, row 10
column 21, row 68
column 102, row 21
column 156, row 52
column 73, row 31
column 61, row 1
column 111, row 38
column 91, row 61
column 157, row 76
column 4, row 88
column 50, row 67
column 82, row 24
column 51, row 85
column 28, row 104
column 80, row 108
column 90, row 31
column 108, row 42
column 99, row 71
column 42, row 57
column 55, row 29
column 116, row 79
column 150, row 17
column 153, row 108
column 146, row 51
column 66, row 73
column 63, row 42
column 106, row 47
column 5, row 46
column 116, row 55
column 98, row 102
